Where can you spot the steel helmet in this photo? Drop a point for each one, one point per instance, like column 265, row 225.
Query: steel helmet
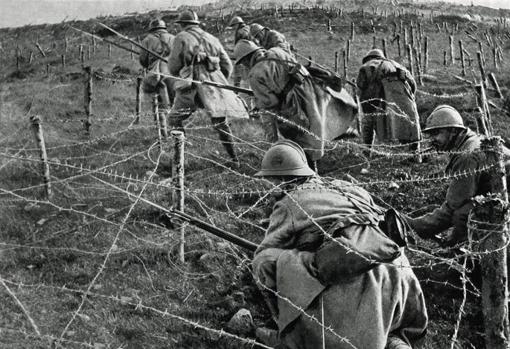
column 235, row 20
column 157, row 24
column 375, row 53
column 188, row 17
column 255, row 29
column 444, row 116
column 243, row 48
column 285, row 158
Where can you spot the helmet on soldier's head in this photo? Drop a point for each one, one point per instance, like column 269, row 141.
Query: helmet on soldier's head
column 235, row 20
column 375, row 53
column 285, row 158
column 157, row 24
column 188, row 17
column 255, row 29
column 243, row 48
column 442, row 117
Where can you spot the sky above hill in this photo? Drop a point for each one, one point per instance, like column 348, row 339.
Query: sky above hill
column 15, row 13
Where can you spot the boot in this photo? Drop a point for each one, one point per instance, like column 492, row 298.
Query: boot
column 225, row 134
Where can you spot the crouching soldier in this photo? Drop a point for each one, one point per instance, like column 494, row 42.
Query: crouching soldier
column 159, row 41
column 325, row 257
column 447, row 133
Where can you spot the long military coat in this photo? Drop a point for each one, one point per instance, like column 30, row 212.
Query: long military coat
column 363, row 309
column 194, row 46
column 307, row 113
column 159, row 41
column 465, row 157
column 387, row 95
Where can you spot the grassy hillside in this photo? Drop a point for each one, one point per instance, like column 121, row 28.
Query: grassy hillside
column 97, row 267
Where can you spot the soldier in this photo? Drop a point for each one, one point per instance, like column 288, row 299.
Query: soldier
column 268, row 38
column 387, row 100
column 324, row 242
column 159, row 41
column 445, row 128
column 241, row 31
column 304, row 110
column 197, row 55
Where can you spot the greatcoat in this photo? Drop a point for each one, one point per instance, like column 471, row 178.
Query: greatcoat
column 465, row 157
column 202, row 53
column 365, row 307
column 388, row 101
column 159, row 41
column 307, row 112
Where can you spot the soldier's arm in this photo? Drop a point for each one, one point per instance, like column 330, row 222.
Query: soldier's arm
column 226, row 66
column 453, row 212
column 176, row 58
column 279, row 234
column 265, row 98
column 143, row 58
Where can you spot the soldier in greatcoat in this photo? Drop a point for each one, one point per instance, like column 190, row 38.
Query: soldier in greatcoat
column 324, row 256
column 387, row 93
column 197, row 55
column 445, row 128
column 305, row 109
column 268, row 38
column 159, row 41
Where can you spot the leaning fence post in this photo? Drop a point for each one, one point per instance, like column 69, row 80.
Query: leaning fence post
column 462, row 59
column 495, row 85
column 39, row 138
column 481, row 67
column 452, row 52
column 488, row 221
column 384, row 48
column 344, row 58
column 410, row 58
column 138, row 106
column 418, row 67
column 88, row 98
column 178, row 182
column 484, row 123
column 426, row 55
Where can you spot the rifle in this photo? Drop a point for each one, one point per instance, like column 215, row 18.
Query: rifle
column 225, row 235
column 250, row 246
column 105, row 40
column 204, row 82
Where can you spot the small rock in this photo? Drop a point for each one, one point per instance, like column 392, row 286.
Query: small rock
column 241, row 323
column 364, row 171
column 41, row 221
column 393, row 186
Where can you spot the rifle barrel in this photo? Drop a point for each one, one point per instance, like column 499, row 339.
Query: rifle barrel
column 250, row 246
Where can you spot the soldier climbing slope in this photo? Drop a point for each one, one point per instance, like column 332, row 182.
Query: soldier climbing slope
column 241, row 31
column 198, row 55
column 387, row 100
column 159, row 41
column 268, row 38
column 307, row 109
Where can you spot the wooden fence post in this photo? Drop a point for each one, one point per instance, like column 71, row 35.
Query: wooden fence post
column 352, row 31
column 418, row 67
column 426, row 55
column 384, row 48
column 155, row 112
column 39, row 138
column 109, row 51
column 495, row 85
column 481, row 67
column 87, row 101
column 336, row 61
column 63, row 59
column 178, row 183
column 138, row 106
column 495, row 57
column 410, row 59
column 484, row 122
column 344, row 58
column 488, row 222
column 462, row 60
column 374, row 45
column 445, row 59
column 348, row 50
column 41, row 51
column 30, row 57
column 452, row 52
column 48, row 69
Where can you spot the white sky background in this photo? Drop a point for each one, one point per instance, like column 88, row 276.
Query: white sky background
column 14, row 13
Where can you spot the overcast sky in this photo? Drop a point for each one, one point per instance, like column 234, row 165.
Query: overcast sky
column 14, row 13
